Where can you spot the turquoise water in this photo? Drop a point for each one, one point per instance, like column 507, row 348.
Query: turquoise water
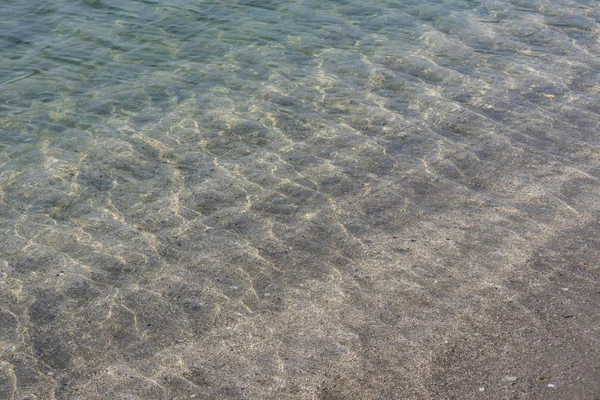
column 211, row 199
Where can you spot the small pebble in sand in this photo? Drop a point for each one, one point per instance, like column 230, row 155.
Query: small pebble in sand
column 482, row 389
column 551, row 385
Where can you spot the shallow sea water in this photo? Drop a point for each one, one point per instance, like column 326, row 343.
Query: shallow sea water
column 279, row 199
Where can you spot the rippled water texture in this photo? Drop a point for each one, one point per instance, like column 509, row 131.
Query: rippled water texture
column 296, row 199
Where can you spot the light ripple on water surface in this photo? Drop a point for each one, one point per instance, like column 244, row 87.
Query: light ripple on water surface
column 265, row 199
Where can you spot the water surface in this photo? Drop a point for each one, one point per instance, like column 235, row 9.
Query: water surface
column 281, row 199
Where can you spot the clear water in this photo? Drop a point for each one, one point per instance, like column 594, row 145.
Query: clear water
column 238, row 199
